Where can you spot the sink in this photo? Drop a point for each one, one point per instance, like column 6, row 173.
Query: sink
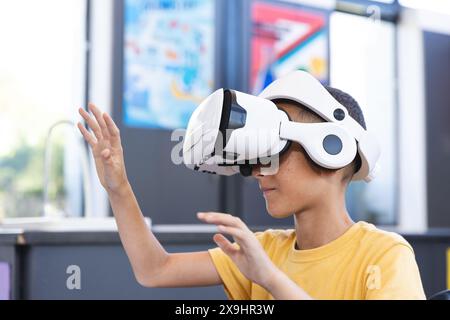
column 60, row 224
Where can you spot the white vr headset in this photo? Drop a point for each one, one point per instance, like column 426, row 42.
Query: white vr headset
column 231, row 131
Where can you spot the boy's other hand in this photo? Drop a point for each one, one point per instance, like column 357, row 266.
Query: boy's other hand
column 247, row 253
column 106, row 148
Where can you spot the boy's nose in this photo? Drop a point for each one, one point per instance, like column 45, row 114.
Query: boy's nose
column 256, row 171
column 262, row 170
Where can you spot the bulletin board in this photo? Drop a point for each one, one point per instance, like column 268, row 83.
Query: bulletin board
column 168, row 61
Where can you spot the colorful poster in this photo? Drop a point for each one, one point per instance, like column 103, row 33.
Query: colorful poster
column 168, row 61
column 284, row 39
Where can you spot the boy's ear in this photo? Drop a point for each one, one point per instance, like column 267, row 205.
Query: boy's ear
column 351, row 169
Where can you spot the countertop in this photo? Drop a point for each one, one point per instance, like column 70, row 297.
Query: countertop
column 168, row 234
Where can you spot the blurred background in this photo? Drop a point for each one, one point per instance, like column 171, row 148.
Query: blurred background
column 150, row 62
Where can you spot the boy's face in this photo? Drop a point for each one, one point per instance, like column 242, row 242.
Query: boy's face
column 297, row 185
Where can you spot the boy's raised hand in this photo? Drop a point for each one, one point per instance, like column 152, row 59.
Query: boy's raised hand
column 249, row 256
column 106, row 148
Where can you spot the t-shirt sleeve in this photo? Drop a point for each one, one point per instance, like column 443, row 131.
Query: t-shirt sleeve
column 236, row 285
column 395, row 276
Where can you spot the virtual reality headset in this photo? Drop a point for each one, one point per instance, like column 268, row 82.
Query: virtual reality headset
column 231, row 131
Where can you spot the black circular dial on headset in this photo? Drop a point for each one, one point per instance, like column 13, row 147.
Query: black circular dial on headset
column 339, row 114
column 332, row 144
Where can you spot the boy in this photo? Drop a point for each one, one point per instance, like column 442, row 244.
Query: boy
column 326, row 255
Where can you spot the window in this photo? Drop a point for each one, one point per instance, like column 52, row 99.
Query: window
column 41, row 82
column 363, row 64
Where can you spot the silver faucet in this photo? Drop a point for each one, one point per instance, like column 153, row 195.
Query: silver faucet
column 84, row 159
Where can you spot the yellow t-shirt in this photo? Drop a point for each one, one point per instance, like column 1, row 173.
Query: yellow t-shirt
column 363, row 263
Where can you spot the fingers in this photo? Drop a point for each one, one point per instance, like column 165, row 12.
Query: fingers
column 222, row 219
column 236, row 233
column 87, row 135
column 113, row 131
column 92, row 123
column 98, row 116
column 225, row 244
column 102, row 126
column 227, row 224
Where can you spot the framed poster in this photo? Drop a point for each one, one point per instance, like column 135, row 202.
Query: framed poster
column 168, row 60
column 287, row 38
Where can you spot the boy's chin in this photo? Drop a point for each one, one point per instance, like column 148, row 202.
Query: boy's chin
column 278, row 213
